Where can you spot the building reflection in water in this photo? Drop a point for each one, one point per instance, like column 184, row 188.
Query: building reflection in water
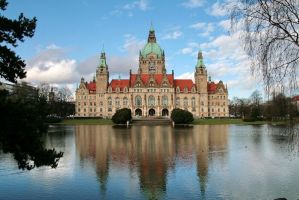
column 151, row 151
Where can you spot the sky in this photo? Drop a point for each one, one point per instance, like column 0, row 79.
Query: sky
column 70, row 35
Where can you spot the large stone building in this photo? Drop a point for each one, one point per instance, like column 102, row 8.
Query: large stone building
column 151, row 91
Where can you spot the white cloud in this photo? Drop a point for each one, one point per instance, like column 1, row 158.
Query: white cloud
column 173, row 35
column 205, row 28
column 193, row 3
column 191, row 49
column 141, row 5
column 187, row 75
column 62, row 71
column 218, row 9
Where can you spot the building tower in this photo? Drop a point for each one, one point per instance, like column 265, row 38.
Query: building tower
column 151, row 57
column 200, row 75
column 102, row 74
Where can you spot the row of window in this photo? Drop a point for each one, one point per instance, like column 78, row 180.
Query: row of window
column 216, row 97
column 110, row 110
column 216, row 104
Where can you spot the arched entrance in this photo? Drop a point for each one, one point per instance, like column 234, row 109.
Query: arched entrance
column 138, row 112
column 151, row 112
column 165, row 112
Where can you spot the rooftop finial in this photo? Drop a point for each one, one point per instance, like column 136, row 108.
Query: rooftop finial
column 103, row 49
column 200, row 59
column 152, row 27
column 151, row 35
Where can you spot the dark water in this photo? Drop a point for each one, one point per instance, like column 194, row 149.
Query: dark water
column 159, row 162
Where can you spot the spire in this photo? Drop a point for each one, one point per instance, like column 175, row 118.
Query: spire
column 151, row 35
column 103, row 58
column 200, row 60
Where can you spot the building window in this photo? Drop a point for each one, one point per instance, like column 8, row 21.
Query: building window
column 109, row 109
column 177, row 102
column 185, row 102
column 178, row 90
column 193, row 103
column 109, row 101
column 151, row 84
column 186, row 90
column 117, row 103
column 151, row 100
column 101, row 109
column 125, row 101
column 138, row 101
column 101, row 103
column 164, row 100
column 117, row 89
column 78, row 109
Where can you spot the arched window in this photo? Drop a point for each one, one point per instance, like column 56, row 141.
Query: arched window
column 193, row 103
column 193, row 90
column 178, row 90
column 117, row 89
column 151, row 84
column 151, row 100
column 125, row 89
column 109, row 89
column 138, row 101
column 186, row 90
column 164, row 100
column 125, row 101
column 109, row 101
column 177, row 101
column 117, row 103
column 185, row 102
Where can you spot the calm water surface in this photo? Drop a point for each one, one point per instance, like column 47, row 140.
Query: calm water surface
column 160, row 162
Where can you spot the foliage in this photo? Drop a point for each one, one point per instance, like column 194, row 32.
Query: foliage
column 270, row 33
column 12, row 66
column 122, row 116
column 59, row 102
column 23, row 115
column 180, row 116
column 61, row 108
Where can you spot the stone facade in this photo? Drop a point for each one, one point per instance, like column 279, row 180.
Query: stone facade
column 151, row 91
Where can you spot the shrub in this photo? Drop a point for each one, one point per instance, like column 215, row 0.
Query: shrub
column 122, row 116
column 180, row 116
column 249, row 119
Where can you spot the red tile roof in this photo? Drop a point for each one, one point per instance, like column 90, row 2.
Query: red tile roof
column 145, row 78
column 295, row 98
column 120, row 83
column 91, row 86
column 184, row 83
column 212, row 87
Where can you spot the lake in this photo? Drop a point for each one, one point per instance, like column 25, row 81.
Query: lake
column 161, row 162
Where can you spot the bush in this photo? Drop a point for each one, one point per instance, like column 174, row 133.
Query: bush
column 122, row 116
column 249, row 119
column 180, row 116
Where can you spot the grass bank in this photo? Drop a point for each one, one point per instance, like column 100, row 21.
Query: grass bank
column 236, row 121
column 86, row 122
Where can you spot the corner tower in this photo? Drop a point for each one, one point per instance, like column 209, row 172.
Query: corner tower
column 102, row 74
column 200, row 75
column 151, row 57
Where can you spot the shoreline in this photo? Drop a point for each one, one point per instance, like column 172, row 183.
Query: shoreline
column 195, row 122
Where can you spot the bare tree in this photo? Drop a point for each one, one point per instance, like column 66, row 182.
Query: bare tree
column 270, row 32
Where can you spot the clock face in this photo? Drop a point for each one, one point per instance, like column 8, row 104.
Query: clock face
column 152, row 67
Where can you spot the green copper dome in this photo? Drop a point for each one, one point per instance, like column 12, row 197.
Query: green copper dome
column 152, row 47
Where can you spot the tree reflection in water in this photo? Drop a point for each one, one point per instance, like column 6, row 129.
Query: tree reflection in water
column 22, row 125
column 151, row 151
